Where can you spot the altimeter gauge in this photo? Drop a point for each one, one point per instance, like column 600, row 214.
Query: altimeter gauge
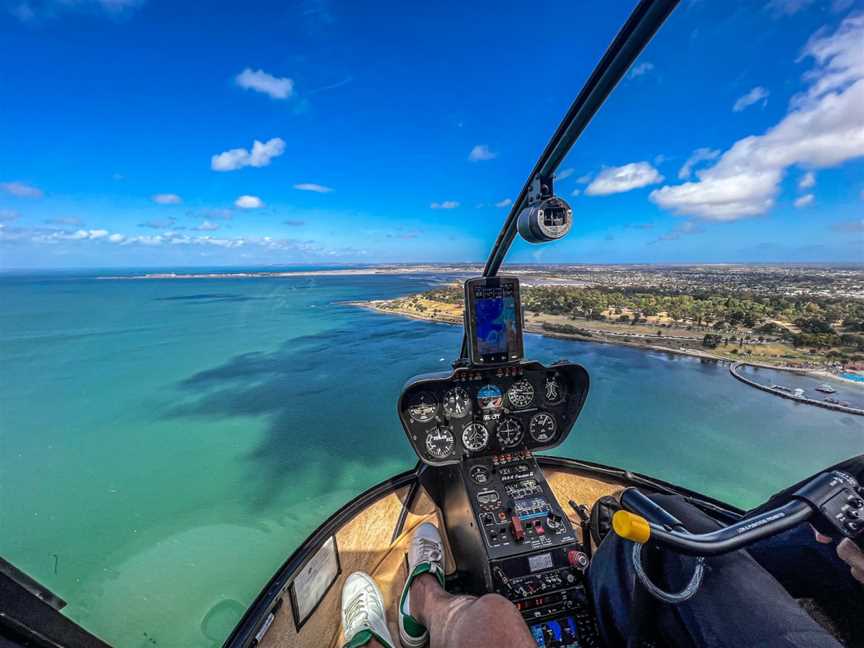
column 521, row 394
column 423, row 407
column 475, row 436
column 509, row 432
column 542, row 427
column 456, row 403
column 439, row 442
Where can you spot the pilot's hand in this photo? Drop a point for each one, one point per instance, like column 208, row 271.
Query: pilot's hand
column 849, row 553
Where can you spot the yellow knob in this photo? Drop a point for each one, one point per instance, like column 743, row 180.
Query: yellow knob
column 631, row 526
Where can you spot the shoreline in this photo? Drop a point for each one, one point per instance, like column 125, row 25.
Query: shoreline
column 535, row 330
column 375, row 306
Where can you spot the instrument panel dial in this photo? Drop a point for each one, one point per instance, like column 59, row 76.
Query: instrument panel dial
column 440, row 442
column 480, row 474
column 509, row 432
column 423, row 407
column 457, row 403
column 554, row 392
column 475, row 436
column 542, row 427
column 521, row 394
column 490, row 398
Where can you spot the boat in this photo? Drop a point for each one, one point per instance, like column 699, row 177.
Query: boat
column 798, row 392
column 782, row 388
column 825, row 388
column 514, row 519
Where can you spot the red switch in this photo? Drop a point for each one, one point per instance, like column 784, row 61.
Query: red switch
column 518, row 531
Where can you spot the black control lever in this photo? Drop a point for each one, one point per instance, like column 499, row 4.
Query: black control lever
column 833, row 502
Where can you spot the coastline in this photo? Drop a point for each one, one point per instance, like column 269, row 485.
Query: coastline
column 377, row 306
column 537, row 330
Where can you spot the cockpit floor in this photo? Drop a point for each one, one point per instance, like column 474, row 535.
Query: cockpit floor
column 364, row 544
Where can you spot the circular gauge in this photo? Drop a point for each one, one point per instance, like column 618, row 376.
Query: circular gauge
column 521, row 394
column 542, row 427
column 439, row 443
column 554, row 392
column 480, row 474
column 509, row 432
column 475, row 436
column 423, row 407
column 456, row 403
column 490, row 397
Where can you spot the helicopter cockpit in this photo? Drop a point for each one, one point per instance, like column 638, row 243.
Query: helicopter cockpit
column 516, row 518
column 476, row 429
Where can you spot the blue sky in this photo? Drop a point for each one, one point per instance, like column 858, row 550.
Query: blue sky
column 156, row 133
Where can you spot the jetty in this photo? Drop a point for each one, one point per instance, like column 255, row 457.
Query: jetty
column 796, row 395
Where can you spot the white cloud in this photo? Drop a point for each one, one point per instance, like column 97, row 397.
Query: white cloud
column 614, row 180
column 261, row 155
column 804, row 201
column 756, row 95
column 584, row 179
column 787, row 7
column 116, row 238
column 8, row 215
column 699, row 155
column 481, row 152
column 504, row 203
column 576, row 192
column 564, row 174
column 823, row 128
column 261, row 81
column 207, row 226
column 642, row 68
column 21, row 189
column 30, row 10
column 807, row 181
column 167, row 199
column 447, row 204
column 311, row 186
column 249, row 202
column 69, row 220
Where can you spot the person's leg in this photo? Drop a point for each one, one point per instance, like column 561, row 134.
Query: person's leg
column 467, row 621
column 428, row 613
column 739, row 603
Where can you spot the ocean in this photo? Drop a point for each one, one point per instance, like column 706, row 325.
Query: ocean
column 167, row 444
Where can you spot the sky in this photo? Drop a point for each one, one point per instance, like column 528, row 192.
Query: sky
column 156, row 133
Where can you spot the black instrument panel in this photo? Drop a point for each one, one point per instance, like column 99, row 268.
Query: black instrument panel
column 480, row 411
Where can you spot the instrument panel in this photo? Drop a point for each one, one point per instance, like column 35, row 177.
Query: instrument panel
column 475, row 412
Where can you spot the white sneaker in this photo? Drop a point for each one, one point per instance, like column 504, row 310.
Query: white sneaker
column 363, row 614
column 425, row 555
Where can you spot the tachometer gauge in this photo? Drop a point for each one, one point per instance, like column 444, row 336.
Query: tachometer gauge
column 423, row 407
column 542, row 427
column 475, row 436
column 521, row 394
column 509, row 432
column 480, row 474
column 489, row 397
column 439, row 443
column 457, row 403
column 554, row 392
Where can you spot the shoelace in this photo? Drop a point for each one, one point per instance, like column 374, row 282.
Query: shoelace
column 429, row 550
column 357, row 612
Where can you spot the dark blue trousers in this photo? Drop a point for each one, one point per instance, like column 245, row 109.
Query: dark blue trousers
column 740, row 604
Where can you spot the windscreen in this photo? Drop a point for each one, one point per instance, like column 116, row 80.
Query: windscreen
column 228, row 237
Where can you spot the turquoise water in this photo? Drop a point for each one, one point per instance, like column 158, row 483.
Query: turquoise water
column 167, row 444
column 851, row 376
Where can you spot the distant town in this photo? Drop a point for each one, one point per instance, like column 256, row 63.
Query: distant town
column 802, row 317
